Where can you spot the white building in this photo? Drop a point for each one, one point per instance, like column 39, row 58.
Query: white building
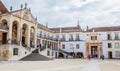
column 96, row 41
column 21, row 34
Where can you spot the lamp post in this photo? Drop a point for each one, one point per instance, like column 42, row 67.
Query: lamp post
column 73, row 53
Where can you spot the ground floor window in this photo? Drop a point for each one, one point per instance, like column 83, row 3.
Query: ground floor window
column 15, row 51
column 52, row 53
column 117, row 54
column 48, row 53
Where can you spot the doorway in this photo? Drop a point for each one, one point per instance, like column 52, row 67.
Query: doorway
column 4, row 39
column 79, row 55
column 94, row 51
column 110, row 54
column 23, row 40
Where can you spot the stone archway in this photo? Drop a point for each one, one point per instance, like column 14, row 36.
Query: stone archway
column 3, row 34
column 61, row 55
column 95, row 49
column 15, row 32
column 24, row 34
column 32, row 37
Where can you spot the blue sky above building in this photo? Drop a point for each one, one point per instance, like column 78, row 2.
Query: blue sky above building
column 92, row 13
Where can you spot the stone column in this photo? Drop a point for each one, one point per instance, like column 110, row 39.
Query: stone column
column 28, row 36
column 10, row 29
column 90, row 50
column 19, row 32
column 35, row 37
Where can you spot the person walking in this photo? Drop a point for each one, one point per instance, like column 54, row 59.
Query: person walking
column 89, row 56
column 102, row 57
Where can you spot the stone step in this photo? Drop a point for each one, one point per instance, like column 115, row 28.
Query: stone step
column 35, row 57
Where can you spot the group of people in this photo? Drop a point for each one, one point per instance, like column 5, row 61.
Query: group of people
column 89, row 57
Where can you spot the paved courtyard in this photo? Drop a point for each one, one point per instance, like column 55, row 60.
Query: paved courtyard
column 62, row 65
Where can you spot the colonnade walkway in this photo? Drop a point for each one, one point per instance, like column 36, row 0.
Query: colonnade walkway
column 62, row 65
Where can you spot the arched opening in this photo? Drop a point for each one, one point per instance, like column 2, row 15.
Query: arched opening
column 61, row 55
column 79, row 55
column 32, row 37
column 24, row 34
column 3, row 34
column 15, row 32
column 4, row 24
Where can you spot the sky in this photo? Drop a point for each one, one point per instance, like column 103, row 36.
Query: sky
column 60, row 13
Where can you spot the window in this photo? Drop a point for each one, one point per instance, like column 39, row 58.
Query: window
column 77, row 38
column 109, row 45
column 77, row 46
column 93, row 37
column 40, row 33
column 71, row 46
column 116, row 45
column 63, row 46
column 48, row 53
column 15, row 51
column 71, row 38
column 57, row 37
column 116, row 36
column 117, row 54
column 44, row 35
column 63, row 38
column 109, row 37
column 52, row 53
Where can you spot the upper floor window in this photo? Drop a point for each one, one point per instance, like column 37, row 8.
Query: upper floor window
column 116, row 36
column 117, row 45
column 109, row 45
column 44, row 35
column 57, row 37
column 93, row 37
column 71, row 38
column 63, row 46
column 77, row 38
column 77, row 46
column 109, row 37
column 63, row 38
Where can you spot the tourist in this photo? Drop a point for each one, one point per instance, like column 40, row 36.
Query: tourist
column 102, row 57
column 89, row 56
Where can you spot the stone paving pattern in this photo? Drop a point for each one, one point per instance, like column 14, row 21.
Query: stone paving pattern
column 62, row 65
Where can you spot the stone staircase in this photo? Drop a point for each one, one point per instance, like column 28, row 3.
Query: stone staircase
column 35, row 56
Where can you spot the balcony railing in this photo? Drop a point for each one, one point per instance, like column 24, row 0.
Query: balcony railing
column 5, row 42
column 4, row 27
column 71, row 39
column 116, row 38
column 77, row 39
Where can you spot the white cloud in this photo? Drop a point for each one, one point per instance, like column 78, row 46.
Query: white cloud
column 94, row 13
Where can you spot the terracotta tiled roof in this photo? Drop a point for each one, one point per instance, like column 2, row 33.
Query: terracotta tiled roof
column 101, row 29
column 40, row 26
column 3, row 9
column 67, row 29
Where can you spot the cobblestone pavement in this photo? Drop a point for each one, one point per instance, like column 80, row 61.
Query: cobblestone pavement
column 62, row 65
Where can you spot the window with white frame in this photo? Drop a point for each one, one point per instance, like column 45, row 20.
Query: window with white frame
column 71, row 37
column 109, row 45
column 116, row 36
column 117, row 45
column 77, row 37
column 117, row 54
column 63, row 46
column 77, row 46
column 71, row 46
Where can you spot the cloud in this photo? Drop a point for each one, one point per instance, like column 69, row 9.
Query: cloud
column 94, row 13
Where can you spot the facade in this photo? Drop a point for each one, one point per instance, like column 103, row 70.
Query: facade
column 21, row 34
column 96, row 41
